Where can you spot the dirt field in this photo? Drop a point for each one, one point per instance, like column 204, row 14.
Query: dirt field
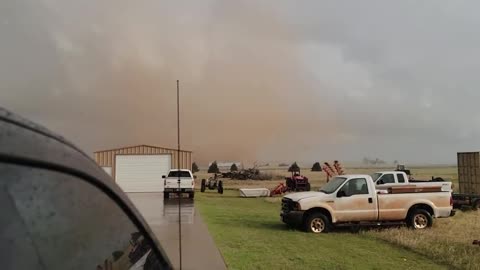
column 317, row 179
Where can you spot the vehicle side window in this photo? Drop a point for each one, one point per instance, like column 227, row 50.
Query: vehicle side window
column 401, row 178
column 387, row 179
column 59, row 221
column 355, row 187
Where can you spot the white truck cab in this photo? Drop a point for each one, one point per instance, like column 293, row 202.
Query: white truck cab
column 386, row 179
column 179, row 181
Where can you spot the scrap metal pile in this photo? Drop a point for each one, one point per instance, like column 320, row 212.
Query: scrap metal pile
column 247, row 174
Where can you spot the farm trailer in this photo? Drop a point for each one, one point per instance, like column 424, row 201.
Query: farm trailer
column 469, row 180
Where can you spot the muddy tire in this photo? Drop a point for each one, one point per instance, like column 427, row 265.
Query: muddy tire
column 419, row 219
column 220, row 187
column 191, row 195
column 317, row 223
column 203, row 186
column 166, row 195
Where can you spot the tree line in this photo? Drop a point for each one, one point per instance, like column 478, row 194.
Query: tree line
column 213, row 168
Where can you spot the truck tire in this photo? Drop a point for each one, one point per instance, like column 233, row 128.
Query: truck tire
column 307, row 187
column 166, row 195
column 191, row 195
column 202, row 188
column 220, row 187
column 419, row 219
column 476, row 205
column 317, row 222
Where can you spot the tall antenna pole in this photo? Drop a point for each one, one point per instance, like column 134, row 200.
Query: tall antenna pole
column 178, row 173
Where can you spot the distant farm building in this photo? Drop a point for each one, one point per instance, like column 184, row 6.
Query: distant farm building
column 140, row 168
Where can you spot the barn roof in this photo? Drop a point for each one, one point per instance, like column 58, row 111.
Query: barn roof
column 141, row 145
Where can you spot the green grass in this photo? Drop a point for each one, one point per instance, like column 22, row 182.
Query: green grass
column 449, row 241
column 250, row 235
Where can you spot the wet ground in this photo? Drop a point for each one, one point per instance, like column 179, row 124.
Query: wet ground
column 199, row 250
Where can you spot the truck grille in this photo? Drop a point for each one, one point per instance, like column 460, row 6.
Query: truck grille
column 287, row 205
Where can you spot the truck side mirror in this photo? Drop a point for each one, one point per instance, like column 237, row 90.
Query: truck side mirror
column 163, row 176
column 341, row 193
column 380, row 182
column 194, row 177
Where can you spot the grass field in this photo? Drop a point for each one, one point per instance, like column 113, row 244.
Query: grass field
column 449, row 241
column 250, row 235
column 234, row 221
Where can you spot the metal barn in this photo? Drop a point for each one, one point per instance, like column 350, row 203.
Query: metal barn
column 140, row 168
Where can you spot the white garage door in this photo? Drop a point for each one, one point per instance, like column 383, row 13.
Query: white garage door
column 141, row 173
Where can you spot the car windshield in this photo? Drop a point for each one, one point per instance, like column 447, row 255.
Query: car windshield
column 179, row 174
column 375, row 176
column 333, row 185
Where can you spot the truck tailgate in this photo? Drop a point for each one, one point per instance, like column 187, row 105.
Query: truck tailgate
column 173, row 183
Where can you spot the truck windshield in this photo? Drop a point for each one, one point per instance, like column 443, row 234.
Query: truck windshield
column 375, row 176
column 182, row 174
column 333, row 185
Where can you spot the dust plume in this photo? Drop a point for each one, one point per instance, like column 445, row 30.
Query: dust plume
column 243, row 89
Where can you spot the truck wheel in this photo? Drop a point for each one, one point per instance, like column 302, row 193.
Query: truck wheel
column 166, row 195
column 419, row 219
column 191, row 195
column 476, row 205
column 202, row 188
column 220, row 187
column 317, row 223
column 307, row 188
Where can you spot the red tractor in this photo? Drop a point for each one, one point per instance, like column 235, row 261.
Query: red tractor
column 300, row 183
column 297, row 182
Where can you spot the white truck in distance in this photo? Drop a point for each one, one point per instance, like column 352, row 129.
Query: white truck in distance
column 387, row 179
column 187, row 183
column 354, row 200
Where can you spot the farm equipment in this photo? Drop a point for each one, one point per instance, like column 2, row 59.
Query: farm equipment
column 212, row 183
column 296, row 182
column 280, row 189
column 402, row 168
column 332, row 171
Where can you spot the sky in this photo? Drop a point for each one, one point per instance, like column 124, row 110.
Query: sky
column 260, row 80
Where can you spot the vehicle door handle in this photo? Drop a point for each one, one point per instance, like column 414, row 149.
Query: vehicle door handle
column 370, row 200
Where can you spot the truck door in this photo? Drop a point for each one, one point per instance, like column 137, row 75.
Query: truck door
column 355, row 202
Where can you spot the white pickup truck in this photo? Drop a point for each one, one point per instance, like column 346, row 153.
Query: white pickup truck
column 354, row 200
column 387, row 179
column 171, row 183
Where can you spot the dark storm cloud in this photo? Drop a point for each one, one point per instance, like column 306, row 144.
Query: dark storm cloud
column 273, row 80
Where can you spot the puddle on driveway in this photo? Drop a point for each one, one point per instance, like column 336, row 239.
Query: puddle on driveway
column 158, row 211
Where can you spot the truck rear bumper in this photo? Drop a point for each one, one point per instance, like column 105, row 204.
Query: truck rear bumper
column 292, row 218
column 444, row 212
column 182, row 190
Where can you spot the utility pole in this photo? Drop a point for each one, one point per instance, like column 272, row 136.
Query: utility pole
column 178, row 173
